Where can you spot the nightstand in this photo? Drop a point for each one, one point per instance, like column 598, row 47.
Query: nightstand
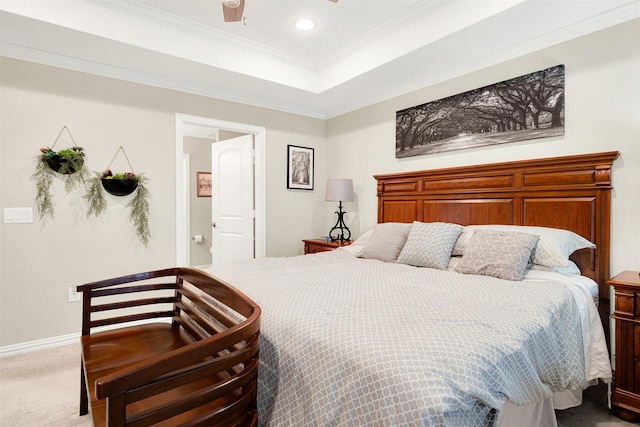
column 625, row 397
column 312, row 246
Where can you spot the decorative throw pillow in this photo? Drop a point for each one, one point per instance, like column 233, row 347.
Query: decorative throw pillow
column 554, row 246
column 501, row 254
column 386, row 241
column 429, row 244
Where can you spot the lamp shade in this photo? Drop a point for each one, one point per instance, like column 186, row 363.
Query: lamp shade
column 339, row 190
column 231, row 3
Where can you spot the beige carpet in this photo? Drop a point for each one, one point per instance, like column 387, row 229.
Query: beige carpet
column 42, row 389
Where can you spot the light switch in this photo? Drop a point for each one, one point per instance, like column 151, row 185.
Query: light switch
column 18, row 215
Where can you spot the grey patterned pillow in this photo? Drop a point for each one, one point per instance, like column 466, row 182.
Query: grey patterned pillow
column 429, row 244
column 502, row 254
column 386, row 241
column 554, row 246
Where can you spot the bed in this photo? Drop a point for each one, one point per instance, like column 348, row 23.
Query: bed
column 415, row 324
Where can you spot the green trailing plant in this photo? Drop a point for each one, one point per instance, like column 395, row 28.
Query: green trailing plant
column 43, row 177
column 95, row 196
column 68, row 164
column 138, row 206
column 139, row 215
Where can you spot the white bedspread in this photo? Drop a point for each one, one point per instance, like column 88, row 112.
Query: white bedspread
column 354, row 342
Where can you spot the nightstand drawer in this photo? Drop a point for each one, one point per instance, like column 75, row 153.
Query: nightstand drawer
column 625, row 304
column 312, row 249
column 312, row 246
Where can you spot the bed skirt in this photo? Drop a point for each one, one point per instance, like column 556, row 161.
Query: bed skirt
column 541, row 414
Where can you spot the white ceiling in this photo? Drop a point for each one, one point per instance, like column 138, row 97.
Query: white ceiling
column 361, row 52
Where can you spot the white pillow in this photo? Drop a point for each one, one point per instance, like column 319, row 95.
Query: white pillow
column 553, row 249
column 570, row 270
column 429, row 244
column 386, row 241
column 363, row 239
column 502, row 254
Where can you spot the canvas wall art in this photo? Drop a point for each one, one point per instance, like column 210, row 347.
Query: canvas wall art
column 522, row 108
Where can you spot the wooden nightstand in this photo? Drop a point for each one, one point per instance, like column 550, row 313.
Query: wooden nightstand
column 312, row 246
column 625, row 397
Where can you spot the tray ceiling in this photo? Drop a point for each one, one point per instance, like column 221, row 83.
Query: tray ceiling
column 361, row 52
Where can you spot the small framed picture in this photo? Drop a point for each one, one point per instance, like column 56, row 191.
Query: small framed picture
column 299, row 167
column 204, row 184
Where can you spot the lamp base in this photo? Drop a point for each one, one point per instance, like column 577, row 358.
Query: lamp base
column 340, row 231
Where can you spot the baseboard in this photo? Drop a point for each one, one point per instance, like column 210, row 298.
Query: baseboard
column 46, row 343
column 43, row 344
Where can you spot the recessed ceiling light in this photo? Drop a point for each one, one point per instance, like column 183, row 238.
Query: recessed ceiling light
column 305, row 24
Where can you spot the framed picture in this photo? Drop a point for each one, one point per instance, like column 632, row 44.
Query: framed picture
column 299, row 167
column 523, row 108
column 204, row 184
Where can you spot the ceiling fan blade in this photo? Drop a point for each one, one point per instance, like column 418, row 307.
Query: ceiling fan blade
column 335, row 1
column 233, row 14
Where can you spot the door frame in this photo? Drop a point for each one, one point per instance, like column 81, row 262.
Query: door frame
column 259, row 160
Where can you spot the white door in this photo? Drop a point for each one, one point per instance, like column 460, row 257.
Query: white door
column 232, row 219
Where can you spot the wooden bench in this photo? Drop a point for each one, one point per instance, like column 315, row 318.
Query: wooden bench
column 189, row 358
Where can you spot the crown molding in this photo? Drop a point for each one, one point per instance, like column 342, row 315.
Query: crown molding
column 172, row 22
column 103, row 70
column 418, row 12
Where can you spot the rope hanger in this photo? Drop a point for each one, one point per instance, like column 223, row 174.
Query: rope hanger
column 59, row 134
column 121, row 148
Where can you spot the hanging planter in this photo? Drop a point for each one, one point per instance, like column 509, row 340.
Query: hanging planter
column 68, row 163
column 120, row 185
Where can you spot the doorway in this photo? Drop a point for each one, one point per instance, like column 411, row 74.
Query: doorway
column 187, row 125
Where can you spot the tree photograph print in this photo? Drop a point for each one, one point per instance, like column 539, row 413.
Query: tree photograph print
column 300, row 168
column 522, row 108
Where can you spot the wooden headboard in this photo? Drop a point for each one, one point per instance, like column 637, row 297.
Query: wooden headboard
column 572, row 192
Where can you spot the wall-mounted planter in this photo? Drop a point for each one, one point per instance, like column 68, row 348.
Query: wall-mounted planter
column 121, row 184
column 63, row 165
column 68, row 162
column 119, row 187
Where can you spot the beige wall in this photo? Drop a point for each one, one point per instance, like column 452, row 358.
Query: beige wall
column 602, row 114
column 39, row 262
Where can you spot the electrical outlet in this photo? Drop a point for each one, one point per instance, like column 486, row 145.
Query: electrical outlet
column 74, row 296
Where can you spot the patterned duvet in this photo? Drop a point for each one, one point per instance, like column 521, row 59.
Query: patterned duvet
column 355, row 342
